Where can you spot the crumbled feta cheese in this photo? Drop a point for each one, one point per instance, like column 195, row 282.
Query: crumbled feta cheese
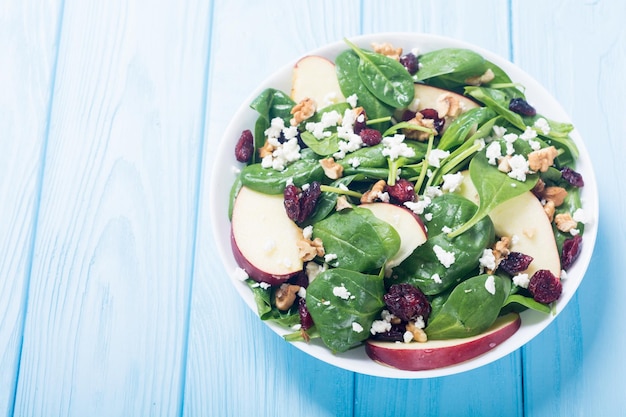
column 330, row 257
column 380, row 326
column 352, row 100
column 313, row 270
column 521, row 280
column 419, row 322
column 499, row 131
column 481, row 144
column 490, row 285
column 418, row 207
column 394, row 147
column 435, row 156
column 356, row 327
column 264, row 285
column 519, row 167
column 341, row 292
column 384, row 197
column 354, row 162
column 543, row 125
column 446, row 229
column 510, row 138
column 494, row 151
column 535, row 145
column 436, row 278
column 574, row 232
column 528, row 134
column 407, row 337
column 302, row 292
column 428, row 216
column 446, row 258
column 451, row 182
column 307, row 232
column 579, row 216
column 241, row 274
column 488, row 260
column 432, row 192
column 563, row 275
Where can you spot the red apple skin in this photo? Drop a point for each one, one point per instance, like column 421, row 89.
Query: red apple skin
column 438, row 354
column 253, row 272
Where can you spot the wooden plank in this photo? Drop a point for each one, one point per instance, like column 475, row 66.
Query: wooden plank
column 106, row 327
column 28, row 36
column 236, row 365
column 574, row 367
column 495, row 386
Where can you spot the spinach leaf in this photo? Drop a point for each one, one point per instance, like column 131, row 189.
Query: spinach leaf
column 260, row 127
column 423, row 268
column 346, row 65
column 571, row 203
column 273, row 103
column 323, row 147
column 498, row 101
column 359, row 239
column 385, row 78
column 470, row 309
column 335, row 315
column 494, row 187
column 450, row 67
column 526, row 302
column 269, row 181
column 266, row 309
column 327, row 201
column 462, row 126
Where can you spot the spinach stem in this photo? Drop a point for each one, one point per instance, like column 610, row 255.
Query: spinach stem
column 420, row 179
column 379, row 120
column 337, row 190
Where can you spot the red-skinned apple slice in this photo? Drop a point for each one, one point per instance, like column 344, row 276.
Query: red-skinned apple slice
column 315, row 77
column 435, row 354
column 263, row 239
column 408, row 225
column 524, row 218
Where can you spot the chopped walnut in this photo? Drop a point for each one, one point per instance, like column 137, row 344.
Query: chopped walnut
column 504, row 164
column 332, row 169
column 266, row 150
column 342, row 203
column 388, row 50
column 286, row 295
column 500, row 250
column 419, row 335
column 419, row 120
column 374, row 193
column 448, row 105
column 549, row 209
column 542, row 159
column 309, row 249
column 564, row 222
column 485, row 78
column 555, row 194
column 303, row 111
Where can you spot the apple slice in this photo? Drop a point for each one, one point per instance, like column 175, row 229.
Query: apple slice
column 263, row 239
column 408, row 225
column 436, row 354
column 315, row 77
column 523, row 217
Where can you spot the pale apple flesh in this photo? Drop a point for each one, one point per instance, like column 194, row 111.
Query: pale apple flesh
column 523, row 220
column 315, row 77
column 263, row 238
column 408, row 225
column 435, row 354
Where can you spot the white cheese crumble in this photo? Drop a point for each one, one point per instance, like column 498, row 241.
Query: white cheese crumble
column 521, row 280
column 394, row 147
column 356, row 327
column 528, row 134
column 451, row 182
column 579, row 216
column 490, row 285
column 446, row 229
column 446, row 258
column 428, row 216
column 407, row 337
column 509, row 139
column 330, row 257
column 307, row 232
column 435, row 157
column 380, row 326
column 264, row 285
column 494, row 151
column 341, row 292
column 313, row 270
column 519, row 167
column 488, row 260
column 418, row 206
column 241, row 274
column 352, row 100
column 432, row 192
column 419, row 322
column 302, row 292
column 499, row 131
column 436, row 278
column 543, row 125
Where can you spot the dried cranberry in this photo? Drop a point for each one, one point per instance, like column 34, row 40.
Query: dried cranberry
column 407, row 302
column 521, row 106
column 410, row 62
column 572, row 177
column 300, row 204
column 395, row 334
column 407, row 115
column 571, row 250
column 245, row 146
column 306, row 321
column 401, row 192
column 371, row 137
column 545, row 287
column 438, row 122
column 300, row 279
column 515, row 263
column 360, row 122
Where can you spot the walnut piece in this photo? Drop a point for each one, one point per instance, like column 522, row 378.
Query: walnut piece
column 419, row 120
column 542, row 159
column 419, row 335
column 342, row 203
column 504, row 165
column 549, row 209
column 374, row 193
column 303, row 111
column 332, row 169
column 555, row 194
column 266, row 150
column 286, row 295
column 388, row 50
column 448, row 105
column 309, row 249
column 564, row 222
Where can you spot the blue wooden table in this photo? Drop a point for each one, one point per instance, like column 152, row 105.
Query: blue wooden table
column 113, row 301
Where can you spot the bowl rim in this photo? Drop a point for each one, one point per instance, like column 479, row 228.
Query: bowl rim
column 356, row 360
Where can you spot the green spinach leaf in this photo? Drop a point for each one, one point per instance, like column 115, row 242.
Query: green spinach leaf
column 273, row 103
column 269, row 181
column 344, row 318
column 450, row 67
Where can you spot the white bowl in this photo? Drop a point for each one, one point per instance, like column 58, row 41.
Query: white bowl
column 356, row 360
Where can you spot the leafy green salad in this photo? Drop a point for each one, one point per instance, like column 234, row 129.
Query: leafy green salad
column 424, row 195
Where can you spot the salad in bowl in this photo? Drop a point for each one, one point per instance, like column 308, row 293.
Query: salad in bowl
column 404, row 205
